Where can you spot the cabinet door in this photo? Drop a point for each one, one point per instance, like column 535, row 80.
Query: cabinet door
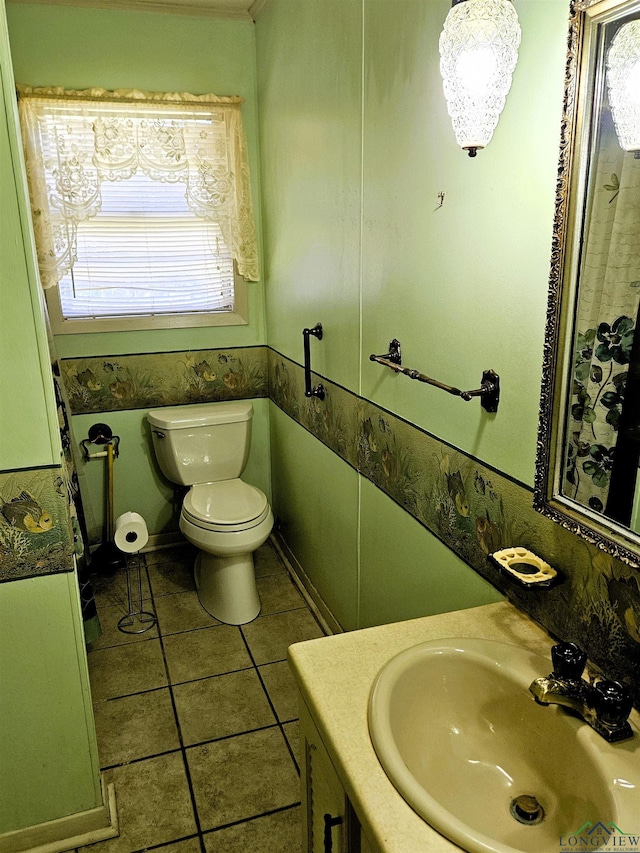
column 324, row 800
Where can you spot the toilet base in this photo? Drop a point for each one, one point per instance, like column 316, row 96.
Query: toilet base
column 226, row 587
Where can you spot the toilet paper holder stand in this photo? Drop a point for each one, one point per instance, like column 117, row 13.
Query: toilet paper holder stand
column 136, row 620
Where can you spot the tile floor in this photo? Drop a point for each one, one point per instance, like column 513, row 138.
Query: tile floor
column 196, row 720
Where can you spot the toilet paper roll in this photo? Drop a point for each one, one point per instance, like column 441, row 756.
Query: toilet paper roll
column 130, row 533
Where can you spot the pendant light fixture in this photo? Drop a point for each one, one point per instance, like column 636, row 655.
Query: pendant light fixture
column 623, row 83
column 478, row 54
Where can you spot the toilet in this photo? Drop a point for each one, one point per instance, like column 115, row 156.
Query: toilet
column 206, row 447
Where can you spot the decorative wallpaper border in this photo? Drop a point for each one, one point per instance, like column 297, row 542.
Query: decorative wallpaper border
column 35, row 536
column 110, row 384
column 470, row 507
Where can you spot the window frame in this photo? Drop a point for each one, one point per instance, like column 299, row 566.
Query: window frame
column 227, row 203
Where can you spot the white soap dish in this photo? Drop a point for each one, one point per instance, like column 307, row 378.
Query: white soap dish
column 525, row 566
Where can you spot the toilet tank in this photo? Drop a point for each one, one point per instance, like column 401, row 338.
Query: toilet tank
column 204, row 443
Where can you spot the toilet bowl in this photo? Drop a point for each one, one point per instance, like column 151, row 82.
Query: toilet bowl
column 224, row 517
column 216, row 518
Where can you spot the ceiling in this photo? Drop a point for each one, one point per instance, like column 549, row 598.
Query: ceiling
column 238, row 9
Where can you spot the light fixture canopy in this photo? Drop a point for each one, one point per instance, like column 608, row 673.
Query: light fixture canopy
column 623, row 83
column 478, row 54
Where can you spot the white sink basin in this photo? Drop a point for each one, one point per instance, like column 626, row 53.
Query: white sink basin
column 460, row 737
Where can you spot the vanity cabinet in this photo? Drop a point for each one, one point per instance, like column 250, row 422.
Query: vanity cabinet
column 330, row 824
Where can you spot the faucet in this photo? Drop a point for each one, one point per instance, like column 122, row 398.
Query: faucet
column 604, row 705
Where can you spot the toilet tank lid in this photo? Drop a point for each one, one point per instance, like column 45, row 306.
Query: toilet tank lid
column 202, row 414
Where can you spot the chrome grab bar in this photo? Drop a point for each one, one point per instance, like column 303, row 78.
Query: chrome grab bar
column 309, row 391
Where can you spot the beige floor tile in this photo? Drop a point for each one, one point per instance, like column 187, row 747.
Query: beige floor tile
column 221, row 706
column 181, row 552
column 111, row 635
column 111, row 591
column 172, row 573
column 135, row 727
column 282, row 690
column 275, row 833
column 242, row 777
column 182, row 612
column 277, row 593
column 267, row 561
column 122, row 670
column 270, row 636
column 207, row 651
column 292, row 734
column 154, row 805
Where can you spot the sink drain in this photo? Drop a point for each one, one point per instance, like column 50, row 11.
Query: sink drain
column 526, row 809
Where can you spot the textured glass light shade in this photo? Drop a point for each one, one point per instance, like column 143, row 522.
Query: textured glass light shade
column 478, row 54
column 623, row 82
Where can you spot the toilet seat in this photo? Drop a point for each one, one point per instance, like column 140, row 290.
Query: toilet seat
column 225, row 506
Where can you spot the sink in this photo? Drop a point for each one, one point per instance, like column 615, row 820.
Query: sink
column 464, row 742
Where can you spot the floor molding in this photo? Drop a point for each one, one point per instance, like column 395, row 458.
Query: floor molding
column 69, row 832
column 308, row 591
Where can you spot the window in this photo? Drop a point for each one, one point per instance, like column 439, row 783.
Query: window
column 141, row 208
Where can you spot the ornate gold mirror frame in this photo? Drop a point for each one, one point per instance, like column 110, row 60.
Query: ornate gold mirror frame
column 583, row 77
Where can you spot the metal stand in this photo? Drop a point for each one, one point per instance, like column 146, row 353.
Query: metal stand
column 136, row 620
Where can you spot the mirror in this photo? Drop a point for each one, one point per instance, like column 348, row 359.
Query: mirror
column 588, row 457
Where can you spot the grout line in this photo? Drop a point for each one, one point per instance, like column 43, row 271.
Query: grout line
column 272, row 706
column 255, row 817
column 168, row 843
column 183, row 752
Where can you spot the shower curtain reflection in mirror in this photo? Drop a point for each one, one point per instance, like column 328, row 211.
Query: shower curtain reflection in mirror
column 603, row 425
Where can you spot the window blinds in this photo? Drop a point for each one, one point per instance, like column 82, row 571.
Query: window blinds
column 146, row 253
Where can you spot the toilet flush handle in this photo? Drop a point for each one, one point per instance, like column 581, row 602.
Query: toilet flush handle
column 158, row 433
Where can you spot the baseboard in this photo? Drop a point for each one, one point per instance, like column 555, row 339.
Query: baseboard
column 158, row 541
column 308, row 591
column 69, row 832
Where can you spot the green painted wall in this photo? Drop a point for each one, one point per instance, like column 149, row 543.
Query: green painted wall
column 356, row 145
column 309, row 59
column 48, row 751
column 316, row 504
column 464, row 286
column 407, row 573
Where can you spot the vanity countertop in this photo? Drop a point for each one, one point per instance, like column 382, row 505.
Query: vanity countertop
column 335, row 675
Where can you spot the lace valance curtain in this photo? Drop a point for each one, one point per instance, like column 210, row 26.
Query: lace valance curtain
column 76, row 140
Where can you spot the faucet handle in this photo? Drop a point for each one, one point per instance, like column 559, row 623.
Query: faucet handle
column 612, row 702
column 568, row 661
